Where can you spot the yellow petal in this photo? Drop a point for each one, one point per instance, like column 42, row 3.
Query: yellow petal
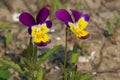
column 34, row 31
column 72, row 27
column 82, row 23
column 44, row 28
column 81, row 33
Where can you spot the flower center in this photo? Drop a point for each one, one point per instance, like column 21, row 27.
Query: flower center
column 78, row 33
column 39, row 33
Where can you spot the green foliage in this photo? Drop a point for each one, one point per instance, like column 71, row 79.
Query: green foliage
column 8, row 38
column 4, row 73
column 74, row 75
column 86, row 77
column 74, row 58
column 74, row 55
column 11, row 64
column 118, row 23
column 26, row 64
column 29, row 50
column 48, row 53
column 40, row 74
column 32, row 66
column 110, row 28
column 5, row 25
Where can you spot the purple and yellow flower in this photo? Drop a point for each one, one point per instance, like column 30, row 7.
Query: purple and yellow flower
column 78, row 25
column 38, row 28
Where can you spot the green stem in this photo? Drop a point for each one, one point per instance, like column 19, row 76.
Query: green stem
column 65, row 55
column 34, row 54
column 34, row 60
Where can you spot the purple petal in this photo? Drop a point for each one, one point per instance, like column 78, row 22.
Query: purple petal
column 49, row 24
column 42, row 44
column 63, row 15
column 26, row 19
column 77, row 15
column 67, row 24
column 29, row 30
column 42, row 15
column 86, row 17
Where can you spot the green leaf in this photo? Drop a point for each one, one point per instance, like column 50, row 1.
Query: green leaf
column 26, row 63
column 78, row 75
column 47, row 54
column 110, row 28
column 87, row 77
column 40, row 74
column 74, row 55
column 5, row 74
column 75, row 49
column 74, row 58
column 5, row 25
column 8, row 38
column 4, row 67
column 10, row 63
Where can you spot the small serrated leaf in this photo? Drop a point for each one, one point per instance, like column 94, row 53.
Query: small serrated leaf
column 10, row 63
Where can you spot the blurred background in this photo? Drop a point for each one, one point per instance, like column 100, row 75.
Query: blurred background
column 104, row 27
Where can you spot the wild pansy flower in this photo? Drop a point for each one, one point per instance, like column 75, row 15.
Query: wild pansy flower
column 38, row 28
column 77, row 25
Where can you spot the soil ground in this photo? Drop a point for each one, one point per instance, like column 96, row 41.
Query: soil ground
column 106, row 62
